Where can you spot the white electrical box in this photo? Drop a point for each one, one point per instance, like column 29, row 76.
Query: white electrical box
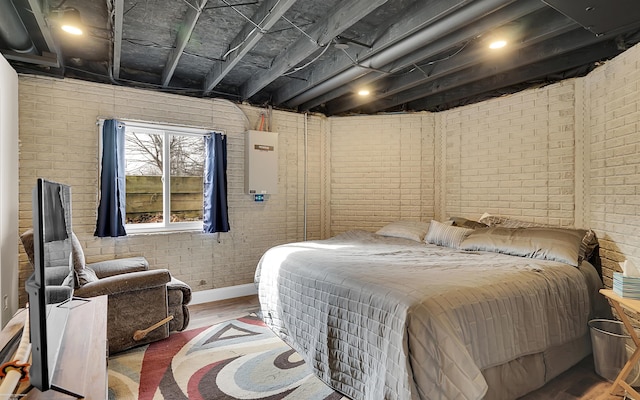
column 261, row 162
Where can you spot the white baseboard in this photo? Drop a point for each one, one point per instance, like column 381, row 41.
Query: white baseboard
column 230, row 292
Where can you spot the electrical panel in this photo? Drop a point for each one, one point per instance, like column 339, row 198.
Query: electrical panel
column 261, row 162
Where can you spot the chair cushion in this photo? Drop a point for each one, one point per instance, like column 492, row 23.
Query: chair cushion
column 27, row 242
column 83, row 274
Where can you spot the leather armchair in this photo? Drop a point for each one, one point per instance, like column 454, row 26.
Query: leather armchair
column 138, row 297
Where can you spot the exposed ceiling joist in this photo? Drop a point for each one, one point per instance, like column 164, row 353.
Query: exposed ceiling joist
column 444, row 26
column 344, row 16
column 265, row 17
column 532, row 72
column 184, row 33
column 118, row 16
column 45, row 31
column 433, row 48
column 554, row 25
column 46, row 59
column 315, row 54
column 522, row 58
column 407, row 23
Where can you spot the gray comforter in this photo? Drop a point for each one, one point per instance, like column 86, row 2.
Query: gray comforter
column 387, row 318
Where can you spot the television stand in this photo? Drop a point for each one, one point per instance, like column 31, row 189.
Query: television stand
column 81, row 370
column 55, row 389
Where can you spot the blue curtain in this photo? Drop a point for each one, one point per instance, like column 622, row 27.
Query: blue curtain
column 216, row 213
column 112, row 208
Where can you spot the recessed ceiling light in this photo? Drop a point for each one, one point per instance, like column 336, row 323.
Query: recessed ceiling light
column 498, row 44
column 71, row 22
column 363, row 92
column 74, row 30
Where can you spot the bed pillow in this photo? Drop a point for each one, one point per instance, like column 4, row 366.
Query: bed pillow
column 588, row 245
column 467, row 223
column 546, row 243
column 446, row 235
column 589, row 241
column 414, row 230
column 505, row 222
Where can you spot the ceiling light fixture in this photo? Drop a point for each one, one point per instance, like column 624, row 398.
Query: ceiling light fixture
column 71, row 22
column 340, row 43
column 363, row 92
column 497, row 44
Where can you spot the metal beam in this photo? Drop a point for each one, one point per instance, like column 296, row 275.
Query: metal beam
column 552, row 24
column 533, row 72
column 566, row 43
column 265, row 17
column 467, row 15
column 343, row 16
column 416, row 17
column 190, row 20
column 118, row 12
column 45, row 30
column 46, row 59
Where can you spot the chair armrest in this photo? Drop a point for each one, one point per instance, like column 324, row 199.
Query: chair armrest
column 104, row 269
column 134, row 281
column 177, row 284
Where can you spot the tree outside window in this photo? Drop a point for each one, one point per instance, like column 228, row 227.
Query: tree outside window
column 159, row 194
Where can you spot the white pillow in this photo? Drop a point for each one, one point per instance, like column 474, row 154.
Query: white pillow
column 445, row 235
column 414, row 230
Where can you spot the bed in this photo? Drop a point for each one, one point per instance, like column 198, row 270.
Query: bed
column 392, row 317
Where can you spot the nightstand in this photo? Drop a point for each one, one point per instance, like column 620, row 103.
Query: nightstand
column 619, row 303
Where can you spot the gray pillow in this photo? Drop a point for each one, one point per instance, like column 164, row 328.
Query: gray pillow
column 555, row 244
column 505, row 222
column 445, row 235
column 467, row 223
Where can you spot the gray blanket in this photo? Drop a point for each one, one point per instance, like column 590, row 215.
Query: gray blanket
column 387, row 318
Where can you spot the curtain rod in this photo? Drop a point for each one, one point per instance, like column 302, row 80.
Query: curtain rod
column 165, row 126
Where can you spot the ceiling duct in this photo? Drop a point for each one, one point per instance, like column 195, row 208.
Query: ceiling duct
column 12, row 30
column 465, row 16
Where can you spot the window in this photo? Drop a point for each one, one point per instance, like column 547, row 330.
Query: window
column 160, row 195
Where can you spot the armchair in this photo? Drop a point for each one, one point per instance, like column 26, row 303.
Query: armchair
column 138, row 298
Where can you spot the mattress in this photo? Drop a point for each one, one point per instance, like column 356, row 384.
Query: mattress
column 388, row 318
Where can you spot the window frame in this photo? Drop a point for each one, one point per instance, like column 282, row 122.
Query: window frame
column 166, row 226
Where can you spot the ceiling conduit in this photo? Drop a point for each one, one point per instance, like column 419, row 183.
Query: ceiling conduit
column 13, row 31
column 438, row 29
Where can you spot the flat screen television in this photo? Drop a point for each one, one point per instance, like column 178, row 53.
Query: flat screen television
column 49, row 301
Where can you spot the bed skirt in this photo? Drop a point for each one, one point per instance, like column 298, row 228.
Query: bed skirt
column 526, row 374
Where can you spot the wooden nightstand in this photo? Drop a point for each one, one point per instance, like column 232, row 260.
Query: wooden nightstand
column 619, row 303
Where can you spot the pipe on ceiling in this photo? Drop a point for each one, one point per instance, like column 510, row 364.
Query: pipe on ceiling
column 432, row 32
column 12, row 30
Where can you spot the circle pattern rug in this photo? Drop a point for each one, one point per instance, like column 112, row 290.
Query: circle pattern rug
column 237, row 359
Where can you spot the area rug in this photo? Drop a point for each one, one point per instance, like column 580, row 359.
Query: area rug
column 237, row 359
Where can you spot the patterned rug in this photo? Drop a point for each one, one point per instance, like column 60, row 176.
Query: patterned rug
column 237, row 359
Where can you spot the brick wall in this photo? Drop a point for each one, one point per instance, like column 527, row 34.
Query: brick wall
column 59, row 141
column 565, row 154
column 613, row 124
column 382, row 170
column 512, row 156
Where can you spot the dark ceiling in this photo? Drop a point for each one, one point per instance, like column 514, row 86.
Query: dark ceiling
column 313, row 55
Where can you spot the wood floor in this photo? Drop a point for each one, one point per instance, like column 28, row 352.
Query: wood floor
column 580, row 382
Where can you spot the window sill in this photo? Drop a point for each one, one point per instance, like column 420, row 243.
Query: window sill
column 155, row 229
